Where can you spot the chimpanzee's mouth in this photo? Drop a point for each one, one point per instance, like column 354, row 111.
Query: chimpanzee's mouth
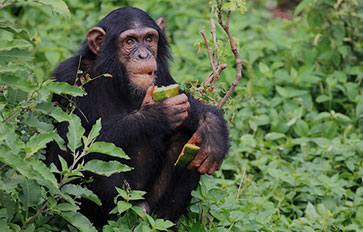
column 149, row 75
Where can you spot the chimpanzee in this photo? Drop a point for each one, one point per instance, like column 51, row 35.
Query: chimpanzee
column 132, row 47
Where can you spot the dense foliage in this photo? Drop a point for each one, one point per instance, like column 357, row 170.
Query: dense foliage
column 296, row 118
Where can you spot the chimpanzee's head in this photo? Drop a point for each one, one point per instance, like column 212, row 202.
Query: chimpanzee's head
column 131, row 46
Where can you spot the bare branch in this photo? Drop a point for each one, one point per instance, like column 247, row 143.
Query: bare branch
column 208, row 50
column 211, row 79
column 214, row 36
column 234, row 49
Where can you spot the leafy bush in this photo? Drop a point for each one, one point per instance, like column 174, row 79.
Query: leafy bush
column 296, row 118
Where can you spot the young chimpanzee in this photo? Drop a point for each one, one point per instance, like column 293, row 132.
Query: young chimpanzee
column 132, row 47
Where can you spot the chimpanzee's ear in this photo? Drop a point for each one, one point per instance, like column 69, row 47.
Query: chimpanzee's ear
column 161, row 23
column 95, row 37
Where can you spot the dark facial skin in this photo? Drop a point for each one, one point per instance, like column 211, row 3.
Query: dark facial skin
column 138, row 51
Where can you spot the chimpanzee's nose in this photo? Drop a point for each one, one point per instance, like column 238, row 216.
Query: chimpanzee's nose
column 143, row 54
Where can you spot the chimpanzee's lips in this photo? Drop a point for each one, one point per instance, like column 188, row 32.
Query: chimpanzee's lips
column 142, row 75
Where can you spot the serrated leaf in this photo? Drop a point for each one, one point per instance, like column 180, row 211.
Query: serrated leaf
column 108, row 149
column 78, row 220
column 95, row 131
column 53, row 111
column 65, row 88
column 38, row 142
column 106, row 168
column 30, row 194
column 123, row 206
column 17, row 83
column 79, row 191
column 14, row 161
column 43, row 171
column 75, row 132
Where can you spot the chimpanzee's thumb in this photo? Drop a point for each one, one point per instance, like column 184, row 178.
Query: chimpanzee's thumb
column 149, row 95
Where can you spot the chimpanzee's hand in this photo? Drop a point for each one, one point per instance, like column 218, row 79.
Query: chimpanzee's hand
column 175, row 108
column 213, row 149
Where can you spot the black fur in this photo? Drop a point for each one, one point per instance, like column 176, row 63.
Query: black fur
column 143, row 133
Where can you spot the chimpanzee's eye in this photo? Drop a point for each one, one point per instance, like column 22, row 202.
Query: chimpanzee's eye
column 130, row 41
column 149, row 39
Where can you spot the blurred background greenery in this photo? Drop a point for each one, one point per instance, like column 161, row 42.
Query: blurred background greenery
column 296, row 120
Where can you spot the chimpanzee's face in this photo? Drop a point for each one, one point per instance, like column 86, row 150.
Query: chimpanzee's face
column 138, row 48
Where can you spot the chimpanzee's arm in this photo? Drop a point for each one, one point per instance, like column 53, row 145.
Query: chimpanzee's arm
column 130, row 128
column 210, row 132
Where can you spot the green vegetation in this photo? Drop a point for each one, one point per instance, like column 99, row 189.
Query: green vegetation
column 296, row 117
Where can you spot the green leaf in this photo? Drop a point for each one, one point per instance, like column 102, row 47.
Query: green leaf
column 301, row 128
column 58, row 6
column 75, row 132
column 274, row 136
column 289, row 92
column 95, row 131
column 123, row 206
column 17, row 83
column 160, row 224
column 108, row 149
column 43, row 171
column 30, row 194
column 78, row 191
column 16, row 43
column 15, row 55
column 310, row 212
column 38, row 142
column 14, row 161
column 65, row 88
column 78, row 220
column 53, row 111
column 105, row 168
column 4, row 226
column 302, row 6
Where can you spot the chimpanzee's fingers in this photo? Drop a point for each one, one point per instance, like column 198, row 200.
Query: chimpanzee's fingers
column 178, row 99
column 213, row 168
column 180, row 108
column 206, row 166
column 149, row 95
column 197, row 161
column 196, row 138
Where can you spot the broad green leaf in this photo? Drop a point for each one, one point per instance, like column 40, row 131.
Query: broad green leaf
column 78, row 220
column 78, row 191
column 58, row 6
column 289, row 92
column 19, row 32
column 65, row 88
column 8, row 203
column 15, row 55
column 16, row 95
column 43, row 171
column 123, row 206
column 17, row 83
column 38, row 142
column 11, row 69
column 274, row 136
column 14, row 161
column 75, row 132
column 53, row 111
column 16, row 43
column 310, row 212
column 30, row 194
column 161, row 224
column 108, row 149
column 105, row 168
column 67, row 207
column 301, row 128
